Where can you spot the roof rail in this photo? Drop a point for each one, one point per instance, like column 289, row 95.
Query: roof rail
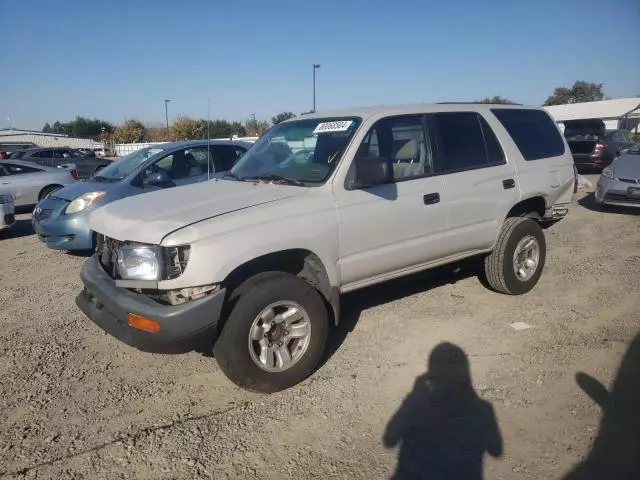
column 475, row 103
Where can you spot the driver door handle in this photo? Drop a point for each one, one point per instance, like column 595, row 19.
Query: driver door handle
column 431, row 198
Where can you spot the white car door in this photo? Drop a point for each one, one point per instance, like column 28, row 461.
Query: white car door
column 399, row 225
column 24, row 181
column 481, row 184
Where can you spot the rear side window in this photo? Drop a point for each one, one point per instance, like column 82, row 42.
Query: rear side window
column 466, row 142
column 533, row 131
column 20, row 169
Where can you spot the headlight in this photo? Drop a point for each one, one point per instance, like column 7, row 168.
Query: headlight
column 607, row 172
column 139, row 262
column 83, row 201
column 5, row 200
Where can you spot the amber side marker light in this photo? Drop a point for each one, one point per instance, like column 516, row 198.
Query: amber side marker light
column 143, row 323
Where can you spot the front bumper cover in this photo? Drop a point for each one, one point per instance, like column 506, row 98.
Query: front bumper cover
column 189, row 326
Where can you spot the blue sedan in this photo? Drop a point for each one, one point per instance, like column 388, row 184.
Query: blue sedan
column 61, row 220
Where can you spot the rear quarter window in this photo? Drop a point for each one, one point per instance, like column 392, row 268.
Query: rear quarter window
column 533, row 131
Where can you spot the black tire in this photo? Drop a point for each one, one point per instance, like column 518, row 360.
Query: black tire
column 499, row 265
column 47, row 191
column 247, row 301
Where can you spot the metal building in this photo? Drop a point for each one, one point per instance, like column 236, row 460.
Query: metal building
column 621, row 113
column 14, row 139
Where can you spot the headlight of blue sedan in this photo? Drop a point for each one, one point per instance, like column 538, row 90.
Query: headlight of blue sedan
column 78, row 204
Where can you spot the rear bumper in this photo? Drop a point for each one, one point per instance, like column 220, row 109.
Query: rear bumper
column 611, row 191
column 586, row 160
column 183, row 328
column 59, row 231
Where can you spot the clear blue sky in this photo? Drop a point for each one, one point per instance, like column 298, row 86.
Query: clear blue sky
column 120, row 59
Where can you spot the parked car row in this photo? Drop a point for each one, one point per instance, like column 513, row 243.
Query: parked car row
column 85, row 164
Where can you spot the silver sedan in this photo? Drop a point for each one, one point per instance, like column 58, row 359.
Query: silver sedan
column 30, row 183
column 619, row 183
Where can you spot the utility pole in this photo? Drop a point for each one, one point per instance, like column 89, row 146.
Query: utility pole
column 315, row 67
column 166, row 111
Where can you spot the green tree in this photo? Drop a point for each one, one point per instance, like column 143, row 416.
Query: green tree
column 222, row 129
column 281, row 117
column 496, row 99
column 255, row 128
column 580, row 92
column 81, row 127
column 132, row 131
column 186, row 128
column 46, row 128
column 157, row 132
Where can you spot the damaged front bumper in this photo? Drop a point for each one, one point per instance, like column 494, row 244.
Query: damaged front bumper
column 191, row 325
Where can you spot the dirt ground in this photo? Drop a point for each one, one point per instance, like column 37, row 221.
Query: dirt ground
column 394, row 392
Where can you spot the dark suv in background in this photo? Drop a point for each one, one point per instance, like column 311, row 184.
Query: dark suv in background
column 592, row 146
column 86, row 166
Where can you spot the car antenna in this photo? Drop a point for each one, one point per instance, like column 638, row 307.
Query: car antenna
column 208, row 138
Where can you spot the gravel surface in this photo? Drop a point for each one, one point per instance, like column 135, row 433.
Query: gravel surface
column 76, row 403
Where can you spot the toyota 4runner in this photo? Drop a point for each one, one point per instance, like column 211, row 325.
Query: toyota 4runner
column 252, row 265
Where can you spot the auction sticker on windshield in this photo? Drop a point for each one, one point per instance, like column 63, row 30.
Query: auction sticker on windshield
column 338, row 126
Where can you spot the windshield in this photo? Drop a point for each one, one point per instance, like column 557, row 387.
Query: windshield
column 302, row 151
column 127, row 164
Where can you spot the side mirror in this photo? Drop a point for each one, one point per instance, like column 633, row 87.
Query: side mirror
column 158, row 179
column 369, row 172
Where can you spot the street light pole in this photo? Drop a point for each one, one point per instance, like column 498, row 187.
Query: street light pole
column 166, row 111
column 315, row 67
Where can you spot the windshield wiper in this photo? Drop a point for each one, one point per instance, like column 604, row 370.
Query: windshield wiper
column 277, row 178
column 104, row 179
column 232, row 175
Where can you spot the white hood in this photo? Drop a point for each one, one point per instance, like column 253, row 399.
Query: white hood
column 150, row 217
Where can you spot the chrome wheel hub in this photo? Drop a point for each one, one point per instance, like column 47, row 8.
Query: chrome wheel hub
column 526, row 258
column 279, row 336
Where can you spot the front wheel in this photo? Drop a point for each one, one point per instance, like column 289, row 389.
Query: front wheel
column 275, row 334
column 516, row 263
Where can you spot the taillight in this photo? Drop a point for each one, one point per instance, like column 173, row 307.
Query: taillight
column 599, row 148
column 74, row 174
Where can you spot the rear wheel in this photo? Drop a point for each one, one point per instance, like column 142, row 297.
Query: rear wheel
column 275, row 334
column 516, row 263
column 46, row 192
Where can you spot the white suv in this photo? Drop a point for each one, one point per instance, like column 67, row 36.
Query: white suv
column 253, row 264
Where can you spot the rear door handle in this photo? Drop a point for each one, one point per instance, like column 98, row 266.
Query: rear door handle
column 431, row 198
column 508, row 183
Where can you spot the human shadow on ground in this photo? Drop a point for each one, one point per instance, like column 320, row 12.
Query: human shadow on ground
column 443, row 427
column 589, row 202
column 615, row 453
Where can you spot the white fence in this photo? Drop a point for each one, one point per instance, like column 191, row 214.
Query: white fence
column 122, row 149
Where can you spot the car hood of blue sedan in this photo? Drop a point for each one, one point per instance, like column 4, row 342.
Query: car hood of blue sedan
column 79, row 188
